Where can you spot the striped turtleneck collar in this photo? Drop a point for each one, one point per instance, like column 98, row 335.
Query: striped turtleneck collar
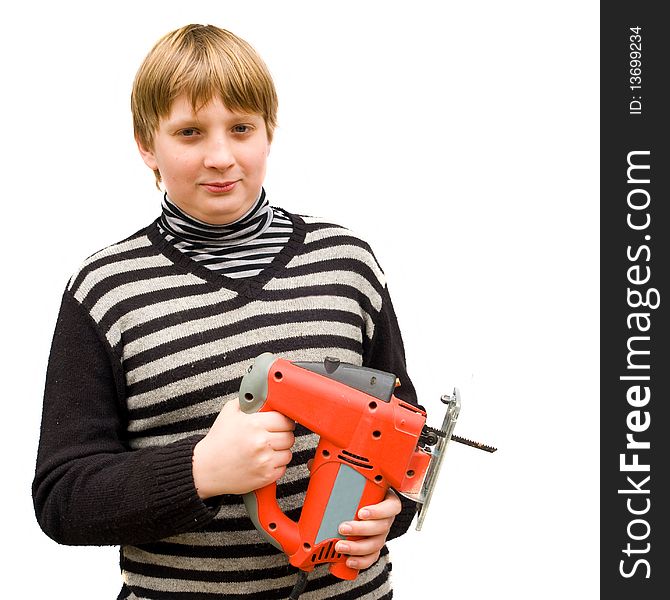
column 240, row 249
column 186, row 228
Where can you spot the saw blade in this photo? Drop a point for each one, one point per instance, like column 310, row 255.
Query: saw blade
column 473, row 444
column 438, row 452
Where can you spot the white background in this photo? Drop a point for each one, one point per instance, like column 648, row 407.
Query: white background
column 461, row 142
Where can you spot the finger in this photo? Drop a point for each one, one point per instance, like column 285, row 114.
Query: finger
column 364, row 547
column 281, row 458
column 389, row 507
column 232, row 405
column 281, row 440
column 279, row 472
column 366, row 528
column 274, row 421
column 362, row 562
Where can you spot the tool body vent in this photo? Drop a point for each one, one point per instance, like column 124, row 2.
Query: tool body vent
column 355, row 456
column 346, row 457
column 326, row 553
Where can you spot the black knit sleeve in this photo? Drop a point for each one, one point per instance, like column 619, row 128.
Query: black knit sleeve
column 386, row 352
column 89, row 487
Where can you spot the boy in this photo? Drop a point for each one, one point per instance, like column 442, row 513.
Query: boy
column 143, row 443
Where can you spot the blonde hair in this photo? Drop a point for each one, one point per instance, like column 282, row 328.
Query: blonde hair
column 201, row 61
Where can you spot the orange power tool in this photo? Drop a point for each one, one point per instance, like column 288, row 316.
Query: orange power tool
column 369, row 441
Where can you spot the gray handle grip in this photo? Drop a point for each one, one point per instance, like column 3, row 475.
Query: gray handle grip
column 254, row 386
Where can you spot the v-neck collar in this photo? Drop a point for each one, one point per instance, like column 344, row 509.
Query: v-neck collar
column 247, row 286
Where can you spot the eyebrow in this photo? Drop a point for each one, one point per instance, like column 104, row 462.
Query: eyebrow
column 190, row 120
column 236, row 116
column 182, row 121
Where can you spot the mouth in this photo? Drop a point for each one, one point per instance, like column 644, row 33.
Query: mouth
column 219, row 187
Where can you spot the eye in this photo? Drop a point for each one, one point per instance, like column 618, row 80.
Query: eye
column 241, row 128
column 187, row 132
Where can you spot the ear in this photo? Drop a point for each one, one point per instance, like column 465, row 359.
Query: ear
column 147, row 155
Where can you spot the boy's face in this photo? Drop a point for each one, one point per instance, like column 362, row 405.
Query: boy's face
column 212, row 162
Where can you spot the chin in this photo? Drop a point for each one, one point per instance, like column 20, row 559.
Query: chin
column 224, row 211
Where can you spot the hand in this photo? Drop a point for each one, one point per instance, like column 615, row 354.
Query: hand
column 242, row 452
column 374, row 525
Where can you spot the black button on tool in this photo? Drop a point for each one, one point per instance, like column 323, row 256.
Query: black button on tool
column 330, row 364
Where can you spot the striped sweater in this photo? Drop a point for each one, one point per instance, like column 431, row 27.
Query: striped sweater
column 148, row 346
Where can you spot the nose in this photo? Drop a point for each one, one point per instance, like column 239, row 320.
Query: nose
column 219, row 154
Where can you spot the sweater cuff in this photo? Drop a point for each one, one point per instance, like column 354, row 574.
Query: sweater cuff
column 173, row 494
column 404, row 519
